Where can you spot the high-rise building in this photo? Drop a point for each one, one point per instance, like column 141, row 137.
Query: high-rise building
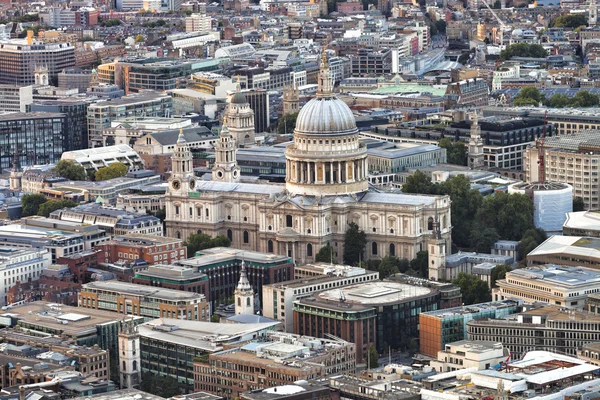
column 198, row 23
column 259, row 103
column 15, row 98
column 20, row 57
column 75, row 129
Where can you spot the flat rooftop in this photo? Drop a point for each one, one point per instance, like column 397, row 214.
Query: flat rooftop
column 558, row 275
column 588, row 220
column 222, row 254
column 132, row 289
column 124, row 394
column 472, row 309
column 574, row 245
column 476, row 346
column 73, row 321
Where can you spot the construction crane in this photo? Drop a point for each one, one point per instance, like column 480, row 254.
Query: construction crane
column 503, row 26
column 541, row 155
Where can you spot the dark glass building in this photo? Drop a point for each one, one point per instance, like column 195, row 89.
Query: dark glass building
column 259, row 103
column 75, row 130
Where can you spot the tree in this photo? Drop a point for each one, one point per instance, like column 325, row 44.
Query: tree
column 558, row 101
column 201, row 241
column 525, row 102
column 419, row 182
column 372, row 358
column 53, row 205
column 71, row 171
column 215, row 318
column 139, row 38
column 531, row 239
column 115, row 170
column 486, row 40
column 456, row 153
column 159, row 385
column 388, row 266
column 464, row 58
column 499, row 273
column 31, row 203
column 528, row 96
column 523, row 50
column 325, row 254
column 441, row 26
column 583, row 98
column 510, row 214
column 355, row 241
column 420, row 264
column 497, row 5
column 473, row 289
column 578, row 204
column 483, row 240
column 465, row 204
column 569, row 21
column 287, row 124
column 111, row 22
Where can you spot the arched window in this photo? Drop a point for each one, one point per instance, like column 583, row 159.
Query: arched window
column 134, row 365
column 444, row 222
column 374, row 248
column 191, row 212
column 270, row 246
column 124, row 369
column 230, row 234
column 289, row 221
column 309, row 250
column 246, row 237
column 178, row 234
column 239, row 301
column 430, row 224
column 248, row 301
column 199, row 231
column 392, row 249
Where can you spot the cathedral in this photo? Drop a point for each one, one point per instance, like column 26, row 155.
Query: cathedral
column 326, row 189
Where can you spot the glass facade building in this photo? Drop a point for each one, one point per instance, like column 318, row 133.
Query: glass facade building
column 75, row 130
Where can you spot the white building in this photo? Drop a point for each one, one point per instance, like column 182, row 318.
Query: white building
column 20, row 265
column 198, row 23
column 278, row 298
column 553, row 284
column 469, row 354
column 15, row 98
column 94, row 159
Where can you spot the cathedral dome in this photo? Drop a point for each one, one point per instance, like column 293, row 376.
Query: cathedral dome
column 326, row 115
column 238, row 98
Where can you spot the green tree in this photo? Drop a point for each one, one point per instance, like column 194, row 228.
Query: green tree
column 497, row 5
column 53, row 205
column 139, row 38
column 419, row 182
column 578, row 204
column 111, row 22
column 558, row 101
column 215, row 318
column 482, row 240
column 465, row 204
column 355, row 241
column 570, row 21
column 115, row 170
column 201, row 241
column 531, row 239
column 389, row 265
column 510, row 214
column 456, row 153
column 159, row 385
column 420, row 264
column 31, row 203
column 583, row 98
column 287, row 124
column 525, row 102
column 326, row 255
column 528, row 96
column 372, row 358
column 441, row 26
column 464, row 58
column 499, row 273
column 71, row 171
column 473, row 289
column 523, row 50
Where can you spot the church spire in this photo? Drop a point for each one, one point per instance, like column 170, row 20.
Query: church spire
column 325, row 82
column 244, row 284
column 180, row 138
column 244, row 295
column 225, row 168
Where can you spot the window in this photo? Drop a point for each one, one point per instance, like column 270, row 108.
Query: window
column 430, row 224
column 392, row 249
column 246, row 238
column 134, row 364
column 230, row 234
column 124, row 369
column 270, row 246
column 176, row 210
column 374, row 248
column 248, row 301
column 239, row 301
column 309, row 250
column 288, row 221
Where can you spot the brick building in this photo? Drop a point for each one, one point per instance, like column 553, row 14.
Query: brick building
column 151, row 249
column 80, row 264
column 470, row 92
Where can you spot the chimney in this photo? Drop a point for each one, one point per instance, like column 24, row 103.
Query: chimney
column 29, row 37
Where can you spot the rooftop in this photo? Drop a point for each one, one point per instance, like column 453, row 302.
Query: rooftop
column 124, row 394
column 221, row 254
column 472, row 309
column 573, row 245
column 557, row 275
column 132, row 289
column 586, row 220
column 475, row 346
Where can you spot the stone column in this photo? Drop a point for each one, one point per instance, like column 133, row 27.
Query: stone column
column 298, row 166
column 339, row 174
column 309, row 178
column 331, row 173
column 303, row 172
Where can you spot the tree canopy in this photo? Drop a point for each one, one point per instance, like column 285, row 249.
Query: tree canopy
column 456, row 153
column 31, row 203
column 139, row 38
column 528, row 96
column 115, row 170
column 201, row 241
column 326, row 255
column 511, row 215
column 373, row 358
column 53, row 205
column 69, row 170
column 530, row 240
column 355, row 241
column 287, row 124
column 570, row 21
column 483, row 240
column 420, row 264
column 158, row 385
column 578, row 204
column 473, row 289
column 111, row 22
column 523, row 50
column 582, row 98
column 499, row 273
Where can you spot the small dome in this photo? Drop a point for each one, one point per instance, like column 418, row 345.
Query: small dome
column 238, row 98
column 517, row 32
column 326, row 115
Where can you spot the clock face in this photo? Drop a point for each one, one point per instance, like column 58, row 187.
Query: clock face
column 192, row 183
column 176, row 184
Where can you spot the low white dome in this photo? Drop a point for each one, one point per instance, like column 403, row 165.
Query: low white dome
column 326, row 115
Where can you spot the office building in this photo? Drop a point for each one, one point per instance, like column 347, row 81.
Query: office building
column 590, row 353
column 470, row 92
column 94, row 159
column 368, row 62
column 380, row 314
column 20, row 57
column 171, row 346
column 144, row 104
column 259, row 103
column 75, row 78
column 469, row 354
column 31, row 138
column 222, row 265
column 278, row 359
column 153, row 249
column 14, row 98
column 552, row 284
column 438, row 328
column 278, row 298
column 569, row 159
column 198, row 23
column 212, row 83
column 20, row 265
column 582, row 223
column 299, row 391
column 75, row 125
column 143, row 301
column 173, row 277
column 392, row 158
column 114, row 221
column 575, row 251
column 550, row 328
column 468, row 261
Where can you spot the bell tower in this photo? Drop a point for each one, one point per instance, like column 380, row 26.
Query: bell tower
column 16, row 175
column 291, row 100
column 182, row 178
column 475, row 145
column 244, row 295
column 129, row 356
column 436, row 249
column 225, row 168
column 241, row 118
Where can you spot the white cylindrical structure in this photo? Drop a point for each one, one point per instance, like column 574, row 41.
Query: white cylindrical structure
column 551, row 201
